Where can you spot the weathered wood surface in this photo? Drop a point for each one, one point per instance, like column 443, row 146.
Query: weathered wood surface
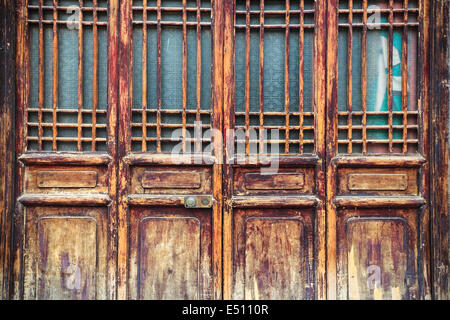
column 7, row 103
column 265, row 236
column 66, row 179
column 273, row 254
column 66, row 253
column 287, row 181
column 170, row 254
column 377, row 254
column 381, row 264
column 377, row 181
column 440, row 173
column 170, row 180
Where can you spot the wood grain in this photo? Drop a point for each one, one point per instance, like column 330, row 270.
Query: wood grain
column 170, row 180
column 65, row 254
column 282, row 181
column 66, row 179
column 377, row 182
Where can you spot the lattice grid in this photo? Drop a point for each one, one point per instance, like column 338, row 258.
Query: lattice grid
column 171, row 75
column 274, row 77
column 67, row 83
column 377, row 82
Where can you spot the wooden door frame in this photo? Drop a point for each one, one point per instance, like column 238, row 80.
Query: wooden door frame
column 439, row 108
column 421, row 161
column 7, row 155
column 21, row 158
column 126, row 158
column 316, row 200
column 439, row 142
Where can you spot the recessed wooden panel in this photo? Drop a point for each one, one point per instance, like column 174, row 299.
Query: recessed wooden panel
column 169, row 258
column 67, row 261
column 378, row 254
column 251, row 181
column 65, row 253
column 66, row 179
column 273, row 254
column 170, row 254
column 62, row 179
column 171, row 180
column 377, row 259
column 377, row 182
column 280, row 181
column 273, row 259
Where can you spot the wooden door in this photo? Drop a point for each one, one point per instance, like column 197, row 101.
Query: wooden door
column 65, row 218
column 170, row 103
column 237, row 149
column 274, row 181
column 377, row 150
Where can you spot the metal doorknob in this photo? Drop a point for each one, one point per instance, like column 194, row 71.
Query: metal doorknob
column 190, row 202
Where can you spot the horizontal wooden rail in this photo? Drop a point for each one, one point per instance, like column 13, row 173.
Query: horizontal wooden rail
column 65, row 199
column 65, row 158
column 379, row 201
column 152, row 200
column 273, row 201
column 378, row 161
column 281, row 159
column 168, row 159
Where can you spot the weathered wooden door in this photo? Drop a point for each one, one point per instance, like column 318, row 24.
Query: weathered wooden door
column 377, row 150
column 107, row 91
column 170, row 186
column 274, row 212
column 192, row 149
column 64, row 238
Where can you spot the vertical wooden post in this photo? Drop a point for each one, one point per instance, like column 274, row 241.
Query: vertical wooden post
column 217, row 123
column 113, row 101
column 439, row 147
column 331, row 147
column 124, row 107
column 320, row 123
column 228, row 124
column 7, row 87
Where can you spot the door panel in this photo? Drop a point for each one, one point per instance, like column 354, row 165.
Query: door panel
column 170, row 100
column 170, row 253
column 273, row 253
column 65, row 218
column 65, row 253
column 274, row 219
column 377, row 155
column 378, row 252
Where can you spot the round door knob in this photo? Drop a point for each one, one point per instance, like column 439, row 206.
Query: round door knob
column 190, row 202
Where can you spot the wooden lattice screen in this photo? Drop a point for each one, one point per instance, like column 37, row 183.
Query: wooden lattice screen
column 67, row 106
column 377, row 84
column 274, row 76
column 171, row 75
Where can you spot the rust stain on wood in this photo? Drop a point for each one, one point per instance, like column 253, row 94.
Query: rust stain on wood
column 170, row 179
column 281, row 181
column 377, row 182
column 67, row 179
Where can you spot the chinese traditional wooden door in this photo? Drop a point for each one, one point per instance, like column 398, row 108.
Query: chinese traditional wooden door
column 192, row 149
